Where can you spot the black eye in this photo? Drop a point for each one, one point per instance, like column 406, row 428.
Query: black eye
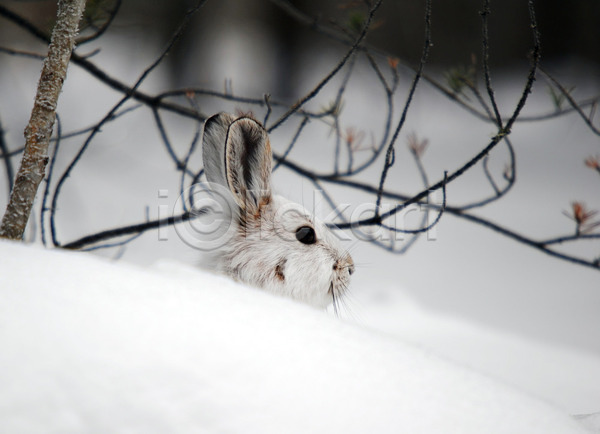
column 306, row 235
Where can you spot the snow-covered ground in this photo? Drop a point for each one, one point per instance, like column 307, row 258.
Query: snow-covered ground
column 93, row 346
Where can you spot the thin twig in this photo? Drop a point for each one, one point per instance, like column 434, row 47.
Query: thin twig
column 115, row 108
column 486, row 59
column 7, row 162
column 292, row 143
column 575, row 106
column 130, row 230
column 424, row 56
column 332, row 73
column 186, row 160
column 104, row 27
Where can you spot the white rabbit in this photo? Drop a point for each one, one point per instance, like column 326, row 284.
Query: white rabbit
column 276, row 244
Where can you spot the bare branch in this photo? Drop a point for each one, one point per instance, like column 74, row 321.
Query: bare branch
column 351, row 155
column 6, row 157
column 486, row 66
column 424, row 56
column 114, row 110
column 333, row 72
column 575, row 106
column 104, row 27
column 131, row 230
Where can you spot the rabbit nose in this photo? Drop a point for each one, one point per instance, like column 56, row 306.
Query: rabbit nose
column 345, row 263
column 350, row 266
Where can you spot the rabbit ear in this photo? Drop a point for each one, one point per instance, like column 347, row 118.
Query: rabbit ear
column 237, row 155
column 248, row 164
column 213, row 147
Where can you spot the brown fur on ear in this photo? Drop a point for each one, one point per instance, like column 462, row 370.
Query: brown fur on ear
column 239, row 113
column 248, row 161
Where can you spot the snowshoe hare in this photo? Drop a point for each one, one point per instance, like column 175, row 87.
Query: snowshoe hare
column 276, row 244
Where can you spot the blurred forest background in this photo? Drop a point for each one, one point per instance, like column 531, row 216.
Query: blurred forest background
column 571, row 32
column 258, row 47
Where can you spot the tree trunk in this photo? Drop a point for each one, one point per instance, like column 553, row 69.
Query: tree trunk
column 38, row 131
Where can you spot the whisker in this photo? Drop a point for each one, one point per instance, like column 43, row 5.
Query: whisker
column 351, row 305
column 335, row 307
column 364, row 264
column 347, row 310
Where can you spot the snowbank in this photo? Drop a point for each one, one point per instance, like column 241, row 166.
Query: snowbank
column 92, row 346
column 565, row 377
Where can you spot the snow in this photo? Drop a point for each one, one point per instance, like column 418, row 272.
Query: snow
column 94, row 346
column 591, row 421
column 566, row 378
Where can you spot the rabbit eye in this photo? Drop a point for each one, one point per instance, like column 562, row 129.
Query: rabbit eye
column 306, row 235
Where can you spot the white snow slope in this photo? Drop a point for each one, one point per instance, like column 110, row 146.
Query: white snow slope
column 91, row 346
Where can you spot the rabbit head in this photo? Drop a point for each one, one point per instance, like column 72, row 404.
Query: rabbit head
column 276, row 244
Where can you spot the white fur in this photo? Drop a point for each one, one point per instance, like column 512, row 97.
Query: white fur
column 264, row 251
